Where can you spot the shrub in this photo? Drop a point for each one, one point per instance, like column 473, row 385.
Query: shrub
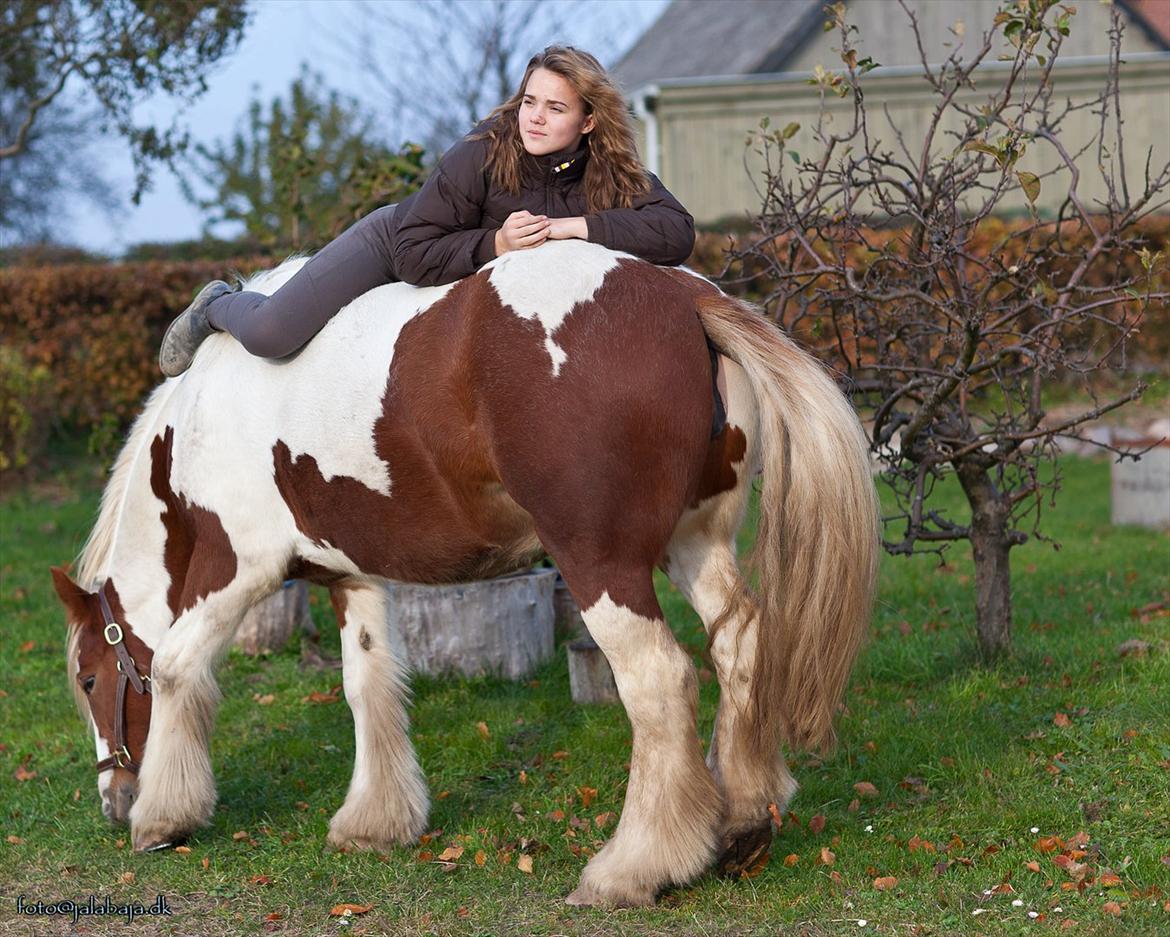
column 26, row 409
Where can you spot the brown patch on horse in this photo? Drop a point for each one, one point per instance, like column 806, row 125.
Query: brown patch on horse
column 194, row 574
column 364, row 639
column 726, row 450
column 604, row 483
column 339, row 599
column 447, row 517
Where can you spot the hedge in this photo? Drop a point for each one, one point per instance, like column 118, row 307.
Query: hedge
column 95, row 329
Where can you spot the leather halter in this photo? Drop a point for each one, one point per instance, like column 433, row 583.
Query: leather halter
column 127, row 674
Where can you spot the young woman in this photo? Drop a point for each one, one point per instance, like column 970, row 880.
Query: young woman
column 557, row 160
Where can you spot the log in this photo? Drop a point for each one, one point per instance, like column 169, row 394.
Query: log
column 590, row 677
column 493, row 626
column 272, row 621
column 569, row 625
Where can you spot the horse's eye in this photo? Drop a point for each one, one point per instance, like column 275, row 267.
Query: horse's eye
column 88, row 685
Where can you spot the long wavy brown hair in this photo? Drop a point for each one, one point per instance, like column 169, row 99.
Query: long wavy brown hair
column 614, row 175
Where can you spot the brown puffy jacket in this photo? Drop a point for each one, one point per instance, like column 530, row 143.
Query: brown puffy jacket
column 447, row 229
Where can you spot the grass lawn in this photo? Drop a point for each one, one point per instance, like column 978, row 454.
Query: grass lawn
column 1011, row 800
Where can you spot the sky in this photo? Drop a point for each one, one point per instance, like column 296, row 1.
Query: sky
column 282, row 34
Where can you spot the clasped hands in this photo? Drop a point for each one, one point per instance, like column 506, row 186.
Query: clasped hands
column 523, row 229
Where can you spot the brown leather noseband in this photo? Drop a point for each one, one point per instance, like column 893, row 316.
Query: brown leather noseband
column 127, row 674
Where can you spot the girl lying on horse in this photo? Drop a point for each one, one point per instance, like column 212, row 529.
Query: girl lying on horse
column 555, row 161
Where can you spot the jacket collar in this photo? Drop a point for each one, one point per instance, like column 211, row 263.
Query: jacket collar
column 559, row 168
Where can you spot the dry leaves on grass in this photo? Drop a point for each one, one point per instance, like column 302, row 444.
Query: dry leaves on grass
column 524, row 864
column 587, row 795
column 885, row 883
column 318, row 697
column 348, row 910
column 816, row 824
column 483, row 730
column 827, row 857
column 865, row 789
column 23, row 773
column 774, row 811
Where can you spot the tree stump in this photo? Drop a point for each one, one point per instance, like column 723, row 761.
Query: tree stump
column 590, row 677
column 1141, row 490
column 569, row 623
column 499, row 626
column 272, row 621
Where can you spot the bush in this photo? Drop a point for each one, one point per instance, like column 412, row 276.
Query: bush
column 96, row 329
column 26, row 410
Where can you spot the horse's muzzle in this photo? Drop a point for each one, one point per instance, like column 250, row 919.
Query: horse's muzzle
column 118, row 799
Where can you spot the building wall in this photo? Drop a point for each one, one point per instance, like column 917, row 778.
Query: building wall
column 706, row 159
column 884, row 32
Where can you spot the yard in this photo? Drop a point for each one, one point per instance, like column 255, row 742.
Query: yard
column 1030, row 798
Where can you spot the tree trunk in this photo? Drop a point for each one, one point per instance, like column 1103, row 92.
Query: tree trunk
column 991, row 545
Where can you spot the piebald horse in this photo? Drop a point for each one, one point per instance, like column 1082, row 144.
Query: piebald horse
column 557, row 402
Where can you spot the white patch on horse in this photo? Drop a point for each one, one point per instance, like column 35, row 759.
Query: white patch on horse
column 548, row 282
column 103, row 752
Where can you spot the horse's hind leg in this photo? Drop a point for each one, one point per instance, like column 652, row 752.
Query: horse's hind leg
column 670, row 821
column 387, row 799
column 701, row 563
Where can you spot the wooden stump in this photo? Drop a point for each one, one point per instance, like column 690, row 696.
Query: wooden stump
column 272, row 621
column 501, row 626
column 1141, row 490
column 569, row 624
column 590, row 677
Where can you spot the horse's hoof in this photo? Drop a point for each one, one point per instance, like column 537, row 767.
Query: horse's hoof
column 159, row 845
column 745, row 851
column 586, row 896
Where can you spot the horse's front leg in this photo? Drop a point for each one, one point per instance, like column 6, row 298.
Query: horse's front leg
column 387, row 802
column 176, row 787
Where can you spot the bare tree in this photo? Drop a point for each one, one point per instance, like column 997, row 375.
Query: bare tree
column 870, row 247
column 116, row 53
column 442, row 65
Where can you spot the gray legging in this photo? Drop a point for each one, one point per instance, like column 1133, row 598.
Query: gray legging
column 277, row 325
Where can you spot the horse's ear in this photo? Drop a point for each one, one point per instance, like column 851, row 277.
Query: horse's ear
column 73, row 597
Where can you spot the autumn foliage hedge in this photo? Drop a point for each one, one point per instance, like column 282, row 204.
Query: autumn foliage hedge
column 95, row 330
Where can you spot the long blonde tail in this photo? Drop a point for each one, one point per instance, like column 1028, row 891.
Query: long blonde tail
column 817, row 544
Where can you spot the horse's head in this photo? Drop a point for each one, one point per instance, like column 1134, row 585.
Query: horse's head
column 109, row 668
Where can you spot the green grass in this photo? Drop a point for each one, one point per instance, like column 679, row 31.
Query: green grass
column 967, row 759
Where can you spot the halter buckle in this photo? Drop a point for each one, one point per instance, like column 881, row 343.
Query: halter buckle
column 121, row 753
column 117, row 631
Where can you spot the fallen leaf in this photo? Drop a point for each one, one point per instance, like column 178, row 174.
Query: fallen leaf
column 560, row 756
column 604, row 819
column 442, row 795
column 1032, row 866
column 1003, row 888
column 1108, row 879
column 482, row 729
column 757, row 867
column 274, row 916
column 318, row 697
column 23, row 774
column 265, row 700
column 776, row 817
column 1048, row 844
column 587, row 795
column 791, row 859
column 239, row 835
column 816, row 824
column 480, row 857
column 15, row 840
column 827, row 857
column 182, row 850
column 557, row 815
column 128, row 877
column 345, row 910
column 865, row 789
column 524, row 863
column 1112, row 907
column 854, row 805
column 206, row 863
column 886, row 883
column 261, row 880
column 523, row 776
column 462, row 912
column 1062, row 720
column 451, row 853
column 1135, row 647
